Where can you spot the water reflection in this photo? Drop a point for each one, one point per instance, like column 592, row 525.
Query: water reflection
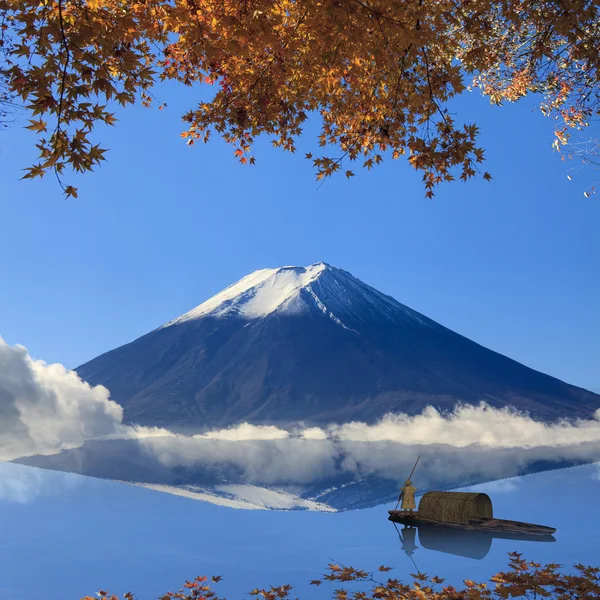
column 47, row 520
column 298, row 473
column 449, row 540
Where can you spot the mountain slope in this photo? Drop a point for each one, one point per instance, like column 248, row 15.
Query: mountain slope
column 318, row 345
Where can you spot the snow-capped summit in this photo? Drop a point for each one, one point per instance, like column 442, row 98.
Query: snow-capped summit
column 259, row 293
column 293, row 290
column 317, row 345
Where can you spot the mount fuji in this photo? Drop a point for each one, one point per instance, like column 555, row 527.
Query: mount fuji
column 314, row 345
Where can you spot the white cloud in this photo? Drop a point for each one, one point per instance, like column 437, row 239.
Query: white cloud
column 245, row 432
column 467, row 425
column 45, row 408
column 471, row 443
column 313, row 433
column 268, row 461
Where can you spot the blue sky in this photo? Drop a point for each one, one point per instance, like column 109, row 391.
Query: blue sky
column 160, row 227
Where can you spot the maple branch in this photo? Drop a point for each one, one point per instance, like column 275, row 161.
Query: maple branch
column 44, row 21
column 161, row 26
column 262, row 73
column 382, row 73
column 58, row 130
column 65, row 45
column 574, row 24
column 459, row 9
column 431, row 95
column 92, row 58
column 374, row 12
column 400, row 76
column 300, row 20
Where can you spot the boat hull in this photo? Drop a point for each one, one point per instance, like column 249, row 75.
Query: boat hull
column 495, row 526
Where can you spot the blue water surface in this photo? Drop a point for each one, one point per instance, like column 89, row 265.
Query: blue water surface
column 64, row 536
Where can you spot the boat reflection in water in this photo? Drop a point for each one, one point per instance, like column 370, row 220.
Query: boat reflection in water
column 460, row 542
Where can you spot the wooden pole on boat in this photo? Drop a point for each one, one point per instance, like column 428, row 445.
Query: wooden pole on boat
column 411, row 474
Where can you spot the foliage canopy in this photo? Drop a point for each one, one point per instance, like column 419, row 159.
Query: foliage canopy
column 379, row 73
column 522, row 580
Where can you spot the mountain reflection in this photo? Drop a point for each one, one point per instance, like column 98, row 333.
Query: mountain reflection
column 469, row 544
column 301, row 474
column 48, row 518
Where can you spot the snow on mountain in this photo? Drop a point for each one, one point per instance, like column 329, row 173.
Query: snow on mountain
column 293, row 290
column 317, row 345
column 249, row 497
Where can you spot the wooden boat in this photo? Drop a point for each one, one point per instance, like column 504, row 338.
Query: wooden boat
column 469, row 511
column 484, row 524
column 466, row 511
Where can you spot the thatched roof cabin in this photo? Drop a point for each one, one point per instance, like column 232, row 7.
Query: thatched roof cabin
column 455, row 507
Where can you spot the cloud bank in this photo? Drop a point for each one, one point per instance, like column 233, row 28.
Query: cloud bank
column 464, row 426
column 471, row 444
column 45, row 408
column 467, row 425
column 294, row 461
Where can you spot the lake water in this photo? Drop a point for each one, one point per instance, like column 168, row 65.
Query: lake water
column 64, row 536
